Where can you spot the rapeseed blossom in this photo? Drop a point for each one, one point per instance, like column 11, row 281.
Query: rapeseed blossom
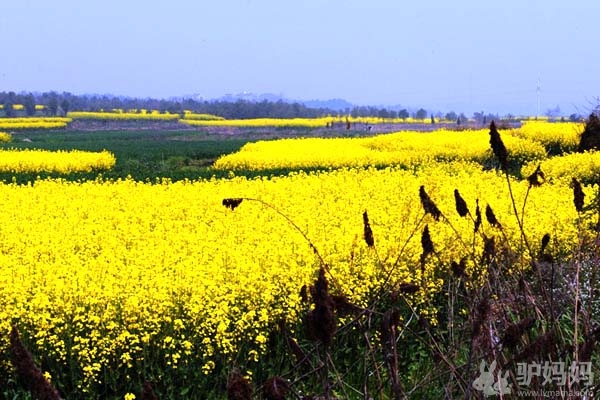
column 33, row 123
column 65, row 162
column 105, row 274
column 407, row 148
column 120, row 115
column 5, row 137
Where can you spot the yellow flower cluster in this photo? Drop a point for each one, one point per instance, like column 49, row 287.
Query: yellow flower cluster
column 34, row 123
column 320, row 122
column 119, row 115
column 407, row 148
column 204, row 117
column 32, row 161
column 583, row 166
column 5, row 137
column 557, row 136
column 106, row 274
column 261, row 122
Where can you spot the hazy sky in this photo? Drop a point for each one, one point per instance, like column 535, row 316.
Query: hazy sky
column 441, row 55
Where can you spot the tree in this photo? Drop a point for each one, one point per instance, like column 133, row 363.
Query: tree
column 65, row 106
column 29, row 104
column 8, row 109
column 383, row 113
column 403, row 114
column 52, row 105
column 553, row 112
column 421, row 113
column 575, row 117
column 451, row 116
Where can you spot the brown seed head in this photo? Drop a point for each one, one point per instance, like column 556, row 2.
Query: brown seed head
column 343, row 307
column 368, row 232
column 408, row 288
column 498, row 147
column 578, row 194
column 477, row 216
column 458, row 269
column 537, row 178
column 428, row 204
column 489, row 249
column 461, row 204
column 232, row 203
column 426, row 244
column 320, row 321
column 491, row 217
column 545, row 241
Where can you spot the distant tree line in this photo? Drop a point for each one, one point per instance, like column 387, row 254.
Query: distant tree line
column 60, row 103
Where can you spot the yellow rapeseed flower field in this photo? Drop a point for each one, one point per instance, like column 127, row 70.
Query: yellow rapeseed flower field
column 320, row 122
column 65, row 162
column 33, row 123
column 407, row 148
column 5, row 137
column 106, row 275
column 583, row 166
column 557, row 136
column 123, row 116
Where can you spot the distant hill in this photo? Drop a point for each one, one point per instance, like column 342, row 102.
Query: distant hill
column 333, row 104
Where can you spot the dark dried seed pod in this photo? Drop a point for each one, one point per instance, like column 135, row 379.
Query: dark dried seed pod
column 461, row 204
column 426, row 242
column 477, row 216
column 368, row 232
column 545, row 241
column 578, row 194
column 232, row 203
column 458, row 269
column 320, row 321
column 489, row 249
column 537, row 178
column 428, row 204
column 343, row 306
column 491, row 217
column 408, row 288
column 498, row 147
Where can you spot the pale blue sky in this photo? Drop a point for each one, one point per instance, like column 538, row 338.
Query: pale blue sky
column 441, row 55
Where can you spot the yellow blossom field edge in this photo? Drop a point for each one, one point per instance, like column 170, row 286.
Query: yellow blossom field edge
column 105, row 275
column 123, row 116
column 407, row 148
column 65, row 162
column 34, row 123
column 321, row 122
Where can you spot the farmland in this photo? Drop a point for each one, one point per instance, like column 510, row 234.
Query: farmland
column 190, row 259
